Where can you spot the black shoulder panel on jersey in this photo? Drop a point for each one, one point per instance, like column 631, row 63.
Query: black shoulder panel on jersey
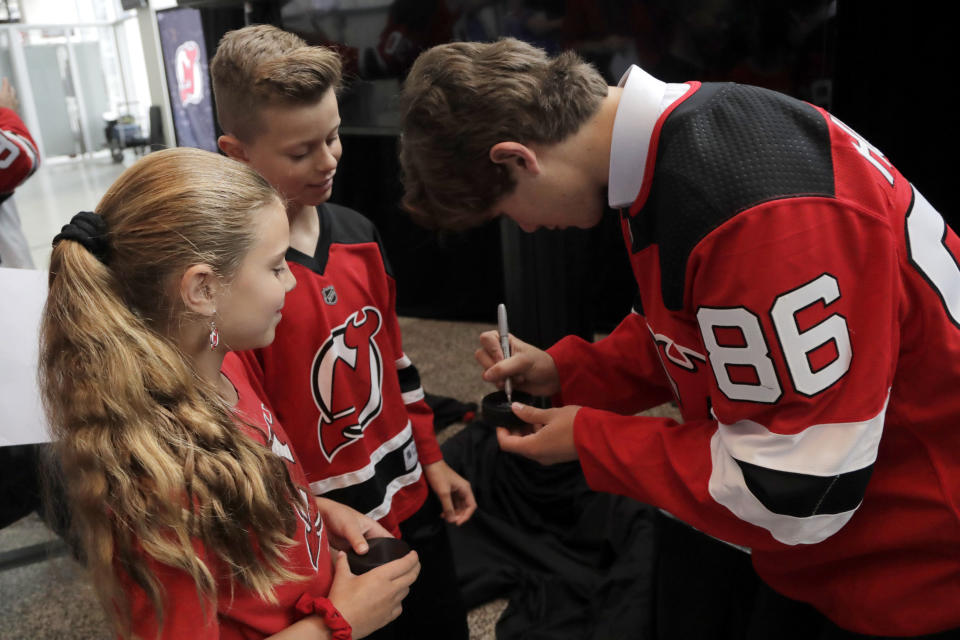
column 340, row 225
column 725, row 149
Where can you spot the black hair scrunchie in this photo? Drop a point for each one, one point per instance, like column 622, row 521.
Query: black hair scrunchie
column 89, row 229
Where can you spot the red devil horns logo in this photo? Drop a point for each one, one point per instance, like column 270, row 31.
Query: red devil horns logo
column 348, row 366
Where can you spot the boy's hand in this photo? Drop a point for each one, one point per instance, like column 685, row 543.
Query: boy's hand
column 348, row 528
column 531, row 369
column 552, row 439
column 453, row 490
column 371, row 600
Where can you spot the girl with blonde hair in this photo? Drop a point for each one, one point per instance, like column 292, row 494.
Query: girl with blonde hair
column 192, row 510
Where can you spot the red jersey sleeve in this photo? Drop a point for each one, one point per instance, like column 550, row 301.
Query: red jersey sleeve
column 620, row 373
column 19, row 157
column 800, row 327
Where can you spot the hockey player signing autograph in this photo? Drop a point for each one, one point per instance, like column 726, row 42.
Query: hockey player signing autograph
column 798, row 298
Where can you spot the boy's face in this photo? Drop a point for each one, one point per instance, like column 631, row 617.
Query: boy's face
column 298, row 149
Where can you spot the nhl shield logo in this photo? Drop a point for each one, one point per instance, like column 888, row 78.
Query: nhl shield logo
column 330, row 294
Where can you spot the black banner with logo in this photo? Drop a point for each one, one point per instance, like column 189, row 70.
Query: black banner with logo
column 185, row 62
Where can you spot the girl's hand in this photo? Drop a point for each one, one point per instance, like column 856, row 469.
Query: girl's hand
column 348, row 528
column 453, row 490
column 372, row 600
column 531, row 369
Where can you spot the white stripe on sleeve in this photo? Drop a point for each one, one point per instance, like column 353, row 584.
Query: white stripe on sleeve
column 822, row 450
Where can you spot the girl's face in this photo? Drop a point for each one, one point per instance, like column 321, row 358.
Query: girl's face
column 248, row 308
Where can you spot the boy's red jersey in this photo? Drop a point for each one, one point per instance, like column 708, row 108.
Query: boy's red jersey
column 337, row 376
column 800, row 300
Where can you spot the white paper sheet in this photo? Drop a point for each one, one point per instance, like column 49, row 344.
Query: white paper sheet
column 23, row 293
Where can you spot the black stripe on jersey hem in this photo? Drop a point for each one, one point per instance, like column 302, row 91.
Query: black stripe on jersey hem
column 409, row 378
column 801, row 495
column 367, row 496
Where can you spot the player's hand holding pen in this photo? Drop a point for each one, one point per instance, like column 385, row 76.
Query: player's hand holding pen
column 530, row 369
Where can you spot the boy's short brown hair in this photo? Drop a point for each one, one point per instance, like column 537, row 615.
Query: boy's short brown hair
column 262, row 65
column 462, row 98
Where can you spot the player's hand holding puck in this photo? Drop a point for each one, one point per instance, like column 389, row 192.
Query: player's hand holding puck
column 552, row 438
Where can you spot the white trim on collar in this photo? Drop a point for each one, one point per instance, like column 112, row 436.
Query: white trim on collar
column 644, row 98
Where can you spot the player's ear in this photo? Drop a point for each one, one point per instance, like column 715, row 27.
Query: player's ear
column 515, row 156
column 198, row 289
column 233, row 147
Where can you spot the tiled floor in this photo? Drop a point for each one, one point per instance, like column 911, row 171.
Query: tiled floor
column 52, row 599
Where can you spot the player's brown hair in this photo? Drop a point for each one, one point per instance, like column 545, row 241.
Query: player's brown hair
column 152, row 458
column 262, row 65
column 462, row 98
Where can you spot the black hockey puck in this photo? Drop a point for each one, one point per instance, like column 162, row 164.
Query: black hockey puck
column 381, row 551
column 495, row 410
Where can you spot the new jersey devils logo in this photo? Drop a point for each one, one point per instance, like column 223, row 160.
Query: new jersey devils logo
column 189, row 78
column 280, row 449
column 312, row 523
column 312, row 526
column 349, row 361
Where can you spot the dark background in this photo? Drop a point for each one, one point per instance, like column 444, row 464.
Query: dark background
column 882, row 72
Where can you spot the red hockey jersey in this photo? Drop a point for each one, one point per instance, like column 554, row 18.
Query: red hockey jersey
column 801, row 302
column 18, row 152
column 241, row 613
column 339, row 381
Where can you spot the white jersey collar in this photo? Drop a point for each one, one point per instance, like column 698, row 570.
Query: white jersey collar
column 644, row 98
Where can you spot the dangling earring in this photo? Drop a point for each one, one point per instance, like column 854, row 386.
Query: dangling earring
column 214, row 336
